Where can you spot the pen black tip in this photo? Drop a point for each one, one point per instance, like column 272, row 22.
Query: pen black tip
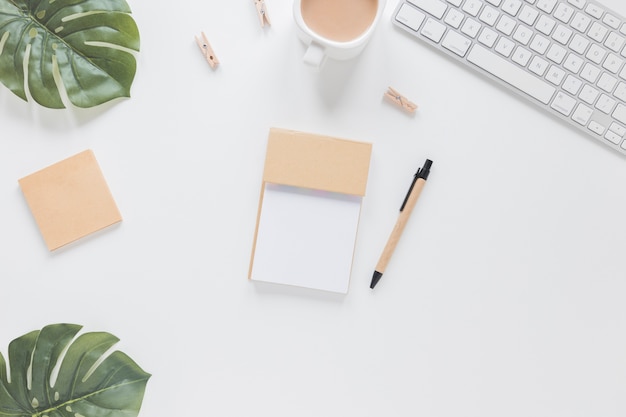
column 377, row 276
column 425, row 170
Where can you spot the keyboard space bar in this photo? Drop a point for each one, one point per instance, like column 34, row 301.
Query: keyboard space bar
column 511, row 74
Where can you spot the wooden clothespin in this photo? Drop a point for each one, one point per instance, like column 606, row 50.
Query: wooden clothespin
column 399, row 100
column 207, row 51
column 261, row 10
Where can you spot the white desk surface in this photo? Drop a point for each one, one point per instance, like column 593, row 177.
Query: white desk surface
column 506, row 295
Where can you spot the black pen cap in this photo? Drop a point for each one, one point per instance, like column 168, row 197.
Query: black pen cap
column 423, row 173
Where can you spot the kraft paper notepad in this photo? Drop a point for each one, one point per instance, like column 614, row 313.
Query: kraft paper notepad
column 70, row 200
column 309, row 210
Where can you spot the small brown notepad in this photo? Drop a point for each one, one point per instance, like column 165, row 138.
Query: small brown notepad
column 309, row 210
column 70, row 200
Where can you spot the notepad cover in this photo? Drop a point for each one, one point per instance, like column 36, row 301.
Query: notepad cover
column 309, row 210
column 70, row 200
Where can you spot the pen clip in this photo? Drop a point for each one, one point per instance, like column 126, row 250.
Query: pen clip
column 417, row 175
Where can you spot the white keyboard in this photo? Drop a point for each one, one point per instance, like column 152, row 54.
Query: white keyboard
column 566, row 56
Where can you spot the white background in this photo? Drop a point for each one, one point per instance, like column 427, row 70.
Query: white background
column 505, row 297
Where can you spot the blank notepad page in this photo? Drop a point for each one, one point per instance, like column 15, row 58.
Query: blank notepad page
column 309, row 210
column 306, row 237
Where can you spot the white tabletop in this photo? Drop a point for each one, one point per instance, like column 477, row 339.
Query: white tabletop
column 505, row 295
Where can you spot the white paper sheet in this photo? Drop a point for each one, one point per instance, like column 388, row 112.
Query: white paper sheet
column 306, row 238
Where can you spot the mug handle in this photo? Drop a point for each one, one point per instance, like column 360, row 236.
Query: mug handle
column 314, row 56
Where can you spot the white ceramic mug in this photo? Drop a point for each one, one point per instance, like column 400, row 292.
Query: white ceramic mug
column 336, row 29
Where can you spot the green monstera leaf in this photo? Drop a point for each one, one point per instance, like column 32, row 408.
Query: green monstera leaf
column 84, row 383
column 79, row 49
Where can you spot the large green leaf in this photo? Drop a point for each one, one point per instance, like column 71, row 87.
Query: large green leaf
column 87, row 383
column 79, row 48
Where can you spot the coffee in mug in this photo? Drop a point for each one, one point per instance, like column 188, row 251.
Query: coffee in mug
column 337, row 29
column 339, row 20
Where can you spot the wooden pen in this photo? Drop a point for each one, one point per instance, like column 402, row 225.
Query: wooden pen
column 419, row 180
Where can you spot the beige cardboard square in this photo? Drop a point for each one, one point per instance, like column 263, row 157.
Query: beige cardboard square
column 70, row 200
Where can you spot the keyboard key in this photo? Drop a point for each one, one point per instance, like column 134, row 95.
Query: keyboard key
column 546, row 5
column 594, row 10
column 577, row 3
column 564, row 12
column 512, row 6
column 521, row 56
column 588, row 94
column 619, row 129
column 614, row 42
column 611, row 20
column 545, row 25
column 596, row 128
column 597, row 32
column 511, row 74
column 562, row 34
column 433, row 30
column 590, row 73
column 620, row 91
column 434, row 7
column 581, row 22
column 539, row 44
column 539, row 65
column 471, row 28
column 606, row 82
column 573, row 63
column 582, row 115
column 506, row 25
column 523, row 34
column 605, row 104
column 488, row 37
column 458, row 44
column 563, row 103
column 596, row 54
column 410, row 17
column 572, row 85
column 613, row 137
column 504, row 47
column 555, row 75
column 472, row 7
column 556, row 53
column 612, row 64
column 528, row 15
column 579, row 44
column 454, row 18
column 489, row 15
column 620, row 113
